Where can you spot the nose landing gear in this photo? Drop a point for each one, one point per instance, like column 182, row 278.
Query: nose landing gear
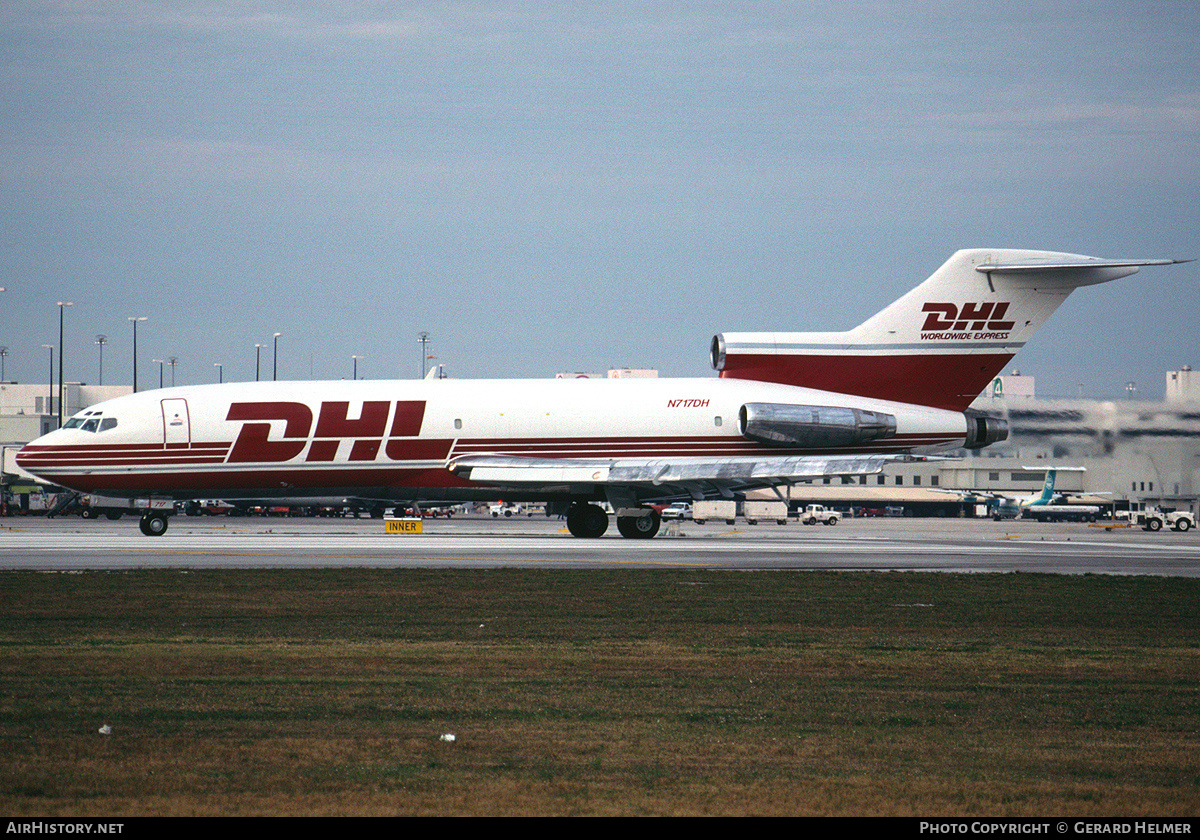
column 153, row 524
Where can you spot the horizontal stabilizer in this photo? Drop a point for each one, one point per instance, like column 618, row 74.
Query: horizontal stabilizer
column 1027, row 266
column 1066, row 271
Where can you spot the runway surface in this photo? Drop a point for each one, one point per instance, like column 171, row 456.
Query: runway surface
column 947, row 545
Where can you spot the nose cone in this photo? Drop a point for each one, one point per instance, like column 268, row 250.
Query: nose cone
column 40, row 457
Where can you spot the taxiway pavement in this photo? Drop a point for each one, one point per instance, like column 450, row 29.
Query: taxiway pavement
column 948, row 545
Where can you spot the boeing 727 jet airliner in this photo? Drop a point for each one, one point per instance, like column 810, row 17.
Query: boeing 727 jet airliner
column 786, row 407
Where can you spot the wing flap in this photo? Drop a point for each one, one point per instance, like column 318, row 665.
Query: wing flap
column 653, row 476
column 506, row 470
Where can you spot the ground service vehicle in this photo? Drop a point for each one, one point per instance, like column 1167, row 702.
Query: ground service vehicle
column 766, row 511
column 703, row 511
column 819, row 515
column 1062, row 513
column 1156, row 520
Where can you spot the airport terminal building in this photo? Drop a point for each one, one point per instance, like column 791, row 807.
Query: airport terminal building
column 28, row 411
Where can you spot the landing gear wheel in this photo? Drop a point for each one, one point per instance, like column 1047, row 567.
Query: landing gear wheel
column 154, row 524
column 587, row 521
column 639, row 527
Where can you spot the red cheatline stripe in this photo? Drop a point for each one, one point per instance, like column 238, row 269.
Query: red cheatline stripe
column 205, row 453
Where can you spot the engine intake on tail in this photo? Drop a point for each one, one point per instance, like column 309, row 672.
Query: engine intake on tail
column 813, row 426
column 716, row 352
column 984, row 429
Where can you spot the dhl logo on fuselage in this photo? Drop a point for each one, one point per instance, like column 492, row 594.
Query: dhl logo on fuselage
column 969, row 321
column 369, row 431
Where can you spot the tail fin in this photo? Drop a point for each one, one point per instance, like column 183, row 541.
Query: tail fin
column 1046, row 497
column 940, row 344
column 1048, row 488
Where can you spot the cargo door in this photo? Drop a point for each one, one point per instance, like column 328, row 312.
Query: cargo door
column 177, row 427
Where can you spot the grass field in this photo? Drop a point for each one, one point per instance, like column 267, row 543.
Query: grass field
column 594, row 692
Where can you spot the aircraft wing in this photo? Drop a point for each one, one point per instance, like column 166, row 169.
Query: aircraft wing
column 665, row 478
column 1061, row 498
column 982, row 494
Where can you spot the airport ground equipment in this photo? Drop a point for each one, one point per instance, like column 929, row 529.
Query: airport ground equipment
column 819, row 514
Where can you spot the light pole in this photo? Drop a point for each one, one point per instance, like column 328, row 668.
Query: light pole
column 275, row 360
column 174, row 360
column 355, row 358
column 135, row 323
column 257, row 360
column 220, row 372
column 3, row 355
column 101, row 340
column 423, row 340
column 160, row 372
column 61, row 306
column 50, row 398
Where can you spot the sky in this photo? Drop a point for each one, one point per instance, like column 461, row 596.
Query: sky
column 547, row 186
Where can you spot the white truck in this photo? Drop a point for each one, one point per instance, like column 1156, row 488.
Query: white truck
column 714, row 509
column 766, row 511
column 814, row 514
column 1155, row 520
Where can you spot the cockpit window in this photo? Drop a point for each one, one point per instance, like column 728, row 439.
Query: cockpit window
column 91, row 421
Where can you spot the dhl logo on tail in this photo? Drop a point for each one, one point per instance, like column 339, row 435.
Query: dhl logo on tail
column 979, row 316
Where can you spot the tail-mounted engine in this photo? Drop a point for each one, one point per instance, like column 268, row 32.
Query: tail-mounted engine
column 813, row 426
column 984, row 429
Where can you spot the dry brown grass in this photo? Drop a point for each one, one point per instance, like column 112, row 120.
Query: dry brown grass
column 636, row 692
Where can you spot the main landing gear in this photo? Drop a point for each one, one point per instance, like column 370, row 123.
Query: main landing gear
column 154, row 523
column 641, row 527
column 590, row 521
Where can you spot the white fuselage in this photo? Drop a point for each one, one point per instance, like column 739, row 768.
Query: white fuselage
column 396, row 439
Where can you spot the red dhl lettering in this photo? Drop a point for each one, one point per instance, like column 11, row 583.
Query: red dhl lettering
column 970, row 316
column 366, row 434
